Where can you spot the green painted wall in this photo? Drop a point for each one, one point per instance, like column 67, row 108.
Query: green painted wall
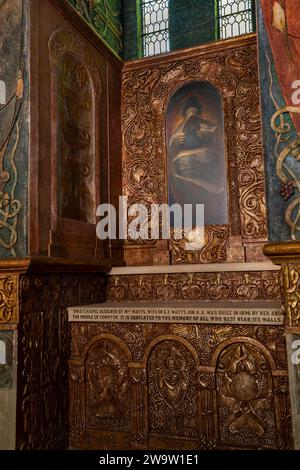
column 132, row 29
column 105, row 17
column 191, row 22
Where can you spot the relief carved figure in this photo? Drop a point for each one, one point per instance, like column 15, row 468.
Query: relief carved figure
column 172, row 390
column 245, row 398
column 107, row 387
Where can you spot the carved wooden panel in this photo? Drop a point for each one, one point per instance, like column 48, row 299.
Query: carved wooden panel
column 43, row 354
column 203, row 286
column 291, row 279
column 192, row 386
column 147, row 88
column 107, row 387
column 172, row 391
column 214, row 250
column 9, row 306
column 245, row 398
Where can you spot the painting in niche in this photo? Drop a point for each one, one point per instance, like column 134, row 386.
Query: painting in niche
column 76, row 141
column 196, row 159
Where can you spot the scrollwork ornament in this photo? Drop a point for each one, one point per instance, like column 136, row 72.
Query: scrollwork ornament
column 291, row 278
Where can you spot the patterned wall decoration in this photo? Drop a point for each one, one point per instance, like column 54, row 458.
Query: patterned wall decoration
column 9, row 300
column 193, row 386
column 172, row 390
column 245, row 397
column 146, row 93
column 279, row 35
column 196, row 286
column 291, row 280
column 105, row 17
column 76, row 140
column 13, row 130
column 44, row 341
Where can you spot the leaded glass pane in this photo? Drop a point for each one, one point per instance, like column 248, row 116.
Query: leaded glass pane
column 235, row 18
column 155, row 17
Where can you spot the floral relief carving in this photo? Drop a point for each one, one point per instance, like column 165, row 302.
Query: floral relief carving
column 9, row 300
column 145, row 97
column 291, row 278
column 196, row 286
column 218, row 386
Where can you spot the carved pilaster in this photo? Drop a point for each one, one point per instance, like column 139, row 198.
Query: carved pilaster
column 287, row 254
column 76, row 416
column 291, row 284
column 206, row 410
column 139, row 406
column 284, row 418
column 9, row 307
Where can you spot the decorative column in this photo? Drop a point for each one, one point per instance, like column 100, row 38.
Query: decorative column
column 138, row 377
column 206, row 409
column 287, row 254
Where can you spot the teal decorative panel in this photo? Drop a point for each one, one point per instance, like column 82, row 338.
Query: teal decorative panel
column 14, row 132
column 105, row 17
column 279, row 32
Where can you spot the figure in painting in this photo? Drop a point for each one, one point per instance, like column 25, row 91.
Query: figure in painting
column 196, row 153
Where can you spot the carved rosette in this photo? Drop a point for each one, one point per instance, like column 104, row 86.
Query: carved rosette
column 9, row 298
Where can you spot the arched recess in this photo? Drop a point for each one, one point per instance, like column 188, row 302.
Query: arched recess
column 108, row 397
column 172, row 389
column 245, row 395
column 101, row 379
column 196, row 150
column 76, row 92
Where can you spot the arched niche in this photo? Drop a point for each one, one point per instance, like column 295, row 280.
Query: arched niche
column 171, row 370
column 196, row 150
column 107, row 386
column 76, row 92
column 76, row 140
column 245, row 397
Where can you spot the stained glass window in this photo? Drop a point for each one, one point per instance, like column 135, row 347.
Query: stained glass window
column 235, row 17
column 155, row 26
